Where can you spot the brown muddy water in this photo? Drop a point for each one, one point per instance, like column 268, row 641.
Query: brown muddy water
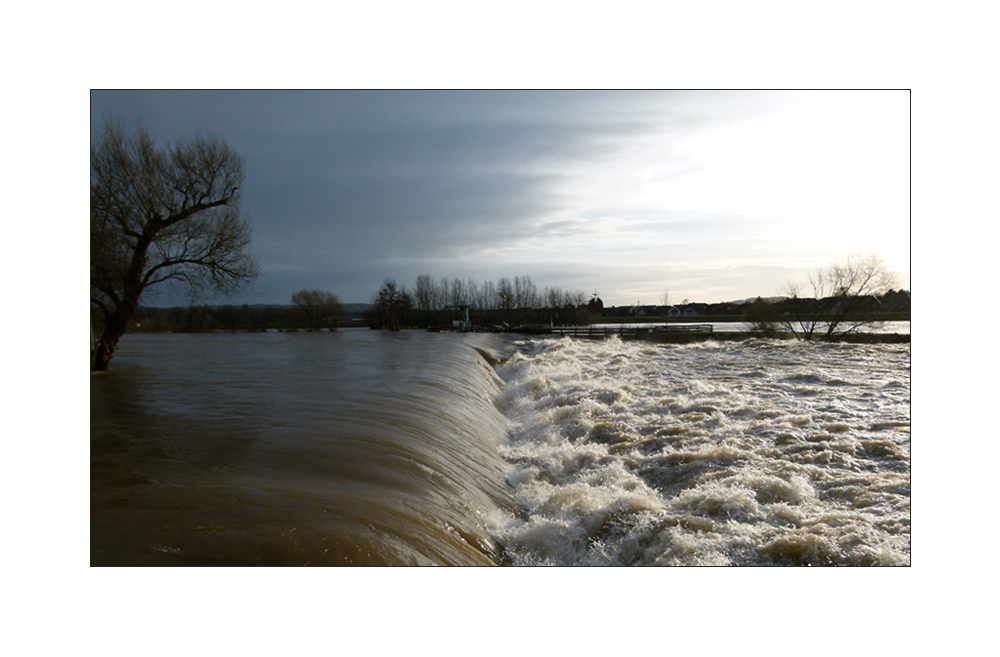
column 346, row 448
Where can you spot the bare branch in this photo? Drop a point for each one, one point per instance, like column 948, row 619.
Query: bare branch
column 844, row 298
column 163, row 215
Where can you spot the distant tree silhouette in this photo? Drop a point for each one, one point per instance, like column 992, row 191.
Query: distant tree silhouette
column 318, row 308
column 392, row 304
column 595, row 305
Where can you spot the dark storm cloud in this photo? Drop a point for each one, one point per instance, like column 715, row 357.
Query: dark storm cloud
column 342, row 184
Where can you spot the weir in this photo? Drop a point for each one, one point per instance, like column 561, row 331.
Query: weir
column 346, row 448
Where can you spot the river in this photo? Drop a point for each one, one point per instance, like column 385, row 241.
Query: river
column 369, row 448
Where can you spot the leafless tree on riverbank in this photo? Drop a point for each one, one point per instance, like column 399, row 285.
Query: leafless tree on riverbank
column 160, row 216
column 844, row 298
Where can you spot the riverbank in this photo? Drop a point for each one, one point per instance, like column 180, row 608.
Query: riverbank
column 672, row 337
column 662, row 319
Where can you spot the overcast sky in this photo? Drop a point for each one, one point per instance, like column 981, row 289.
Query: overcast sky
column 712, row 196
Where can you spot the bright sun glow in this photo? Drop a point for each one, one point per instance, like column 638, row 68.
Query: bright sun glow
column 824, row 175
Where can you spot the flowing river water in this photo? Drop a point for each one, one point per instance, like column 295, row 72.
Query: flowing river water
column 369, row 448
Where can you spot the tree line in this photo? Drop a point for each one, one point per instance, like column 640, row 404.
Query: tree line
column 432, row 303
column 511, row 302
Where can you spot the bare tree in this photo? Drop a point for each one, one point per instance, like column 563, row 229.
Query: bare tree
column 844, row 298
column 472, row 292
column 423, row 293
column 488, row 295
column 392, row 303
column 318, row 307
column 526, row 293
column 442, row 293
column 458, row 295
column 159, row 216
column 505, row 297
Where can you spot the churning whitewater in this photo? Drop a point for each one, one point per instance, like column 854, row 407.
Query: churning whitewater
column 715, row 453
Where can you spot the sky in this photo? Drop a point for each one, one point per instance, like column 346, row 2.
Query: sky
column 639, row 196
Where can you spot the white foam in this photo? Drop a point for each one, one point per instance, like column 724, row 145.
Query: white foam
column 626, row 452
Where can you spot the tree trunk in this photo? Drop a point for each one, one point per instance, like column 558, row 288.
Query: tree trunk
column 114, row 329
column 116, row 324
column 102, row 356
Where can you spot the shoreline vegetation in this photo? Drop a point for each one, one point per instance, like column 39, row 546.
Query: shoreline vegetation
column 739, row 336
column 259, row 318
column 223, row 319
column 519, row 308
column 450, row 304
